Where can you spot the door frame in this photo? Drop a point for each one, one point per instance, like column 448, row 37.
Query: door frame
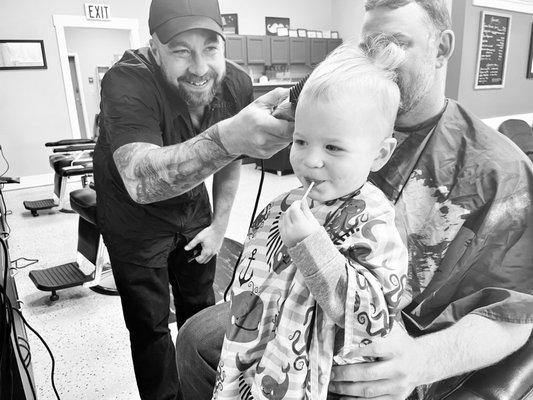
column 82, row 94
column 73, row 21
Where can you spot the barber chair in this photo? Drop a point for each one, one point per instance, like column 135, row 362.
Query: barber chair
column 72, row 157
column 90, row 268
column 520, row 133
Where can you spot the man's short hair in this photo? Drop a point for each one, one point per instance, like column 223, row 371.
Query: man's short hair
column 436, row 10
column 350, row 71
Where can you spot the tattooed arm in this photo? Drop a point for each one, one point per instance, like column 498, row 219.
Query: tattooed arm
column 151, row 173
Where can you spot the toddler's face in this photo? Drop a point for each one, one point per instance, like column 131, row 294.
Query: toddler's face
column 336, row 148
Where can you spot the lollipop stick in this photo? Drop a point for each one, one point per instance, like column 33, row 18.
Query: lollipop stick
column 308, row 190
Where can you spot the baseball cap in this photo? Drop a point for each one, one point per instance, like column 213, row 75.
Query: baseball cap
column 169, row 18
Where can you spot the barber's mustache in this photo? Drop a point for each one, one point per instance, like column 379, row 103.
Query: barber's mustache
column 196, row 78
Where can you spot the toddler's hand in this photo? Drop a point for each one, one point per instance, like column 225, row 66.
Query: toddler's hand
column 297, row 223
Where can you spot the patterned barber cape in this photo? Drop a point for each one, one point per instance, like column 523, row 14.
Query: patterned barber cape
column 279, row 343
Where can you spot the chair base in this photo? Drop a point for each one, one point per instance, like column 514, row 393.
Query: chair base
column 107, row 284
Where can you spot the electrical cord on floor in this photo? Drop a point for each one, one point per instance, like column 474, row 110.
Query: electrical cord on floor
column 6, row 303
column 47, row 348
column 4, row 234
column 259, row 189
column 5, row 159
column 9, row 325
column 23, row 344
column 31, row 261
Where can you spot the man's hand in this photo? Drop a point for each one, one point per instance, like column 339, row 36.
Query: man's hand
column 254, row 131
column 297, row 223
column 210, row 239
column 398, row 369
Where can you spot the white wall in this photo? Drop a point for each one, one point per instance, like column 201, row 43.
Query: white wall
column 307, row 14
column 347, row 17
column 33, row 108
column 94, row 47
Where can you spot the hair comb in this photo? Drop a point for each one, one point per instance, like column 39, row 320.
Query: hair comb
column 295, row 91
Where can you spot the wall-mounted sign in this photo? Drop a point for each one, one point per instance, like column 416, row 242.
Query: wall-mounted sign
column 230, row 23
column 100, row 12
column 273, row 23
column 493, row 48
column 22, row 54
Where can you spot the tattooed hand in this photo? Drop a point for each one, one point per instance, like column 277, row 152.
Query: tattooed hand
column 255, row 131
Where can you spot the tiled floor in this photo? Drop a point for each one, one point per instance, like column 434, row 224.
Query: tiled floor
column 85, row 330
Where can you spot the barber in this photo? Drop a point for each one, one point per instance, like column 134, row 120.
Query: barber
column 172, row 115
column 463, row 194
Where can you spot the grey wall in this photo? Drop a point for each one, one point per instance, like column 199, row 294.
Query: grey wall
column 33, row 107
column 94, row 47
column 517, row 95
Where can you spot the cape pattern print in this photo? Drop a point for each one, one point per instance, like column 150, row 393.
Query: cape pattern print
column 279, row 343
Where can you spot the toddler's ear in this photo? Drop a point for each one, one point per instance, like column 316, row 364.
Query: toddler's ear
column 386, row 148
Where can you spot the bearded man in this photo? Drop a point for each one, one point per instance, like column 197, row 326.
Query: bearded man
column 161, row 136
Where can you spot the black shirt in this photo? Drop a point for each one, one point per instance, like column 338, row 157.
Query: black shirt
column 137, row 105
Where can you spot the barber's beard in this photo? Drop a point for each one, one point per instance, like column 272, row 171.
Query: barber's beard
column 196, row 98
column 415, row 87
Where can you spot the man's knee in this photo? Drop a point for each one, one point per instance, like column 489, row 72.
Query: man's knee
column 202, row 335
column 198, row 349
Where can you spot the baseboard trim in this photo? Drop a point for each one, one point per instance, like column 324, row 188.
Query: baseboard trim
column 32, row 181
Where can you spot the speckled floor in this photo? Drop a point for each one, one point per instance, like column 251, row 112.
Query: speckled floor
column 85, row 330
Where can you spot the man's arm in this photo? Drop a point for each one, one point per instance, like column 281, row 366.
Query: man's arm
column 474, row 342
column 151, row 173
column 225, row 185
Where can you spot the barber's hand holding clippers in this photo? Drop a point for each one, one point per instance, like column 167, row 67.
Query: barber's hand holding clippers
column 297, row 222
column 257, row 131
column 205, row 244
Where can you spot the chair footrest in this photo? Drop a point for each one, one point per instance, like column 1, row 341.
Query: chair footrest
column 39, row 204
column 59, row 277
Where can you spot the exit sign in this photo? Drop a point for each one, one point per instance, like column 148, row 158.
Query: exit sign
column 99, row 12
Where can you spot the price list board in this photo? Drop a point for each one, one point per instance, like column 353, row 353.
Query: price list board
column 493, row 49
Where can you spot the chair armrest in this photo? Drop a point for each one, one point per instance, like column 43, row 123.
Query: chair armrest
column 69, row 142
column 510, row 379
column 73, row 148
column 9, row 179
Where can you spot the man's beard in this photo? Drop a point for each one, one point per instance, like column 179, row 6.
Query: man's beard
column 415, row 88
column 196, row 98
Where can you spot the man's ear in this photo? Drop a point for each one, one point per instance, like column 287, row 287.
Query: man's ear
column 445, row 46
column 154, row 46
column 386, row 148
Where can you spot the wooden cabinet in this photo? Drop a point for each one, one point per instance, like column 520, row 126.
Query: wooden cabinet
column 258, row 49
column 298, row 50
column 268, row 50
column 279, row 50
column 318, row 49
column 236, row 48
column 332, row 44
